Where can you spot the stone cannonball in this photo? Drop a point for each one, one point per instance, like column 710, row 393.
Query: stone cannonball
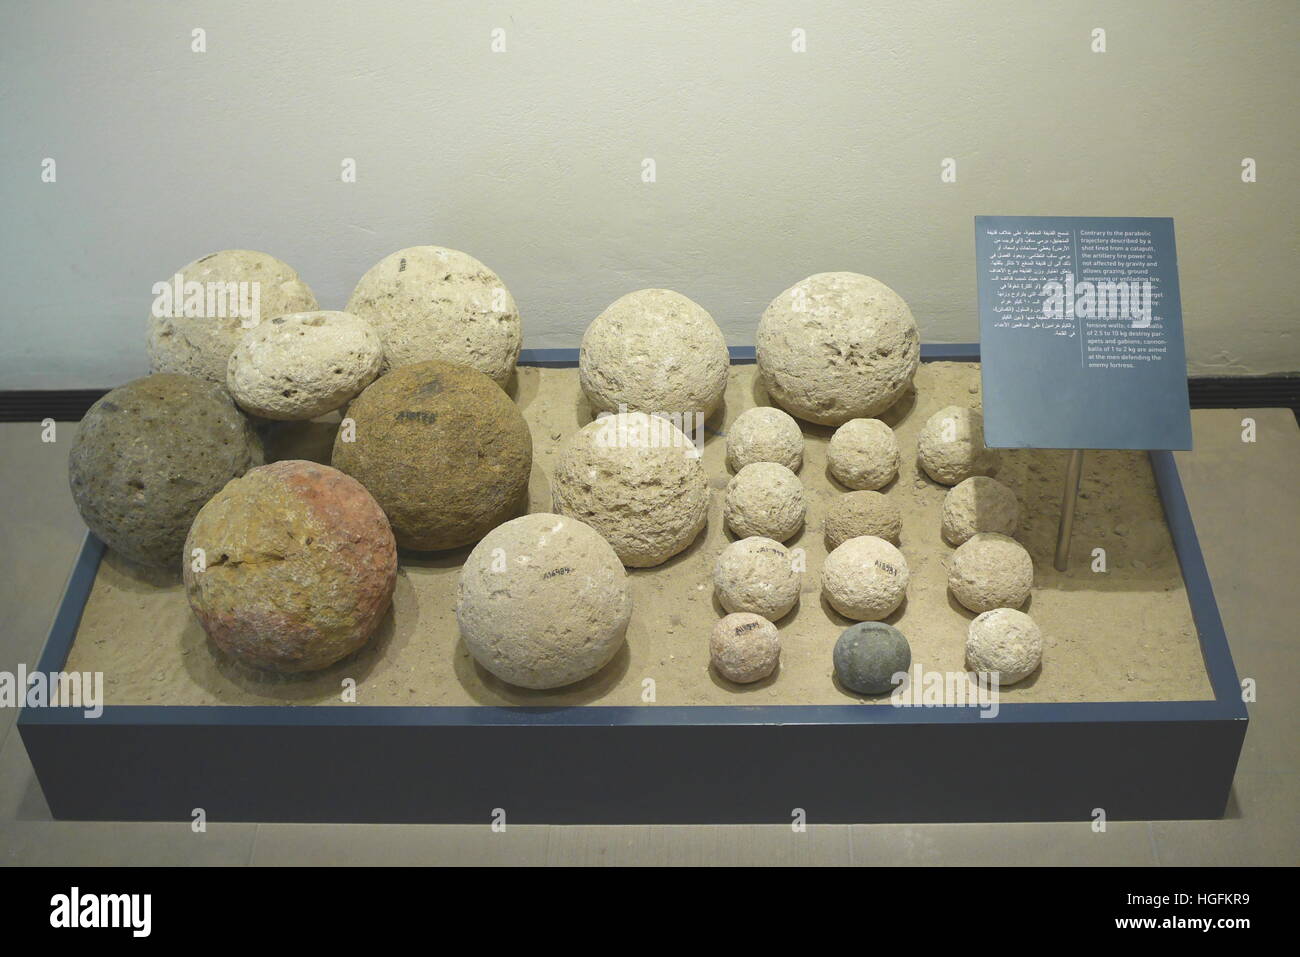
column 744, row 647
column 951, row 446
column 865, row 578
column 300, row 567
column 442, row 449
column 303, row 365
column 837, row 346
column 764, row 499
column 862, row 513
column 200, row 345
column 990, row 571
column 652, row 351
column 638, row 480
column 427, row 302
column 757, row 575
column 979, row 504
column 1005, row 641
column 149, row 455
column 764, row 434
column 863, row 454
column 868, row 655
column 543, row 601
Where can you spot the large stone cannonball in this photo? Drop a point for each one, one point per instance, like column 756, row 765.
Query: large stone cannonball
column 201, row 345
column 543, row 601
column 441, row 448
column 837, row 346
column 428, row 302
column 652, row 351
column 298, row 567
column 149, row 455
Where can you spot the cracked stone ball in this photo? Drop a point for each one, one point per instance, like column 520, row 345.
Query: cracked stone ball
column 863, row 454
column 427, row 302
column 300, row 566
column 543, row 601
column 764, row 434
column 951, row 446
column 757, row 575
column 1005, row 641
column 654, row 351
column 201, row 345
column 979, row 504
column 149, row 455
column 990, row 570
column 637, row 480
column 862, row 513
column 837, row 346
column 764, row 499
column 442, row 449
column 303, row 365
column 744, row 647
column 865, row 578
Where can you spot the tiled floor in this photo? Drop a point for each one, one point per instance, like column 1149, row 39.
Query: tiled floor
column 1246, row 502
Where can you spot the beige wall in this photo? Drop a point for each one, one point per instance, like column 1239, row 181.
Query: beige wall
column 771, row 165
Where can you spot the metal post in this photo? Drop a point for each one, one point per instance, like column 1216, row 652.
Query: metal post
column 1072, row 475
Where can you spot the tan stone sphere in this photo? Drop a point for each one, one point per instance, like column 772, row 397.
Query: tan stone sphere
column 1004, row 641
column 757, row 575
column 990, row 571
column 865, row 578
column 979, row 504
column 764, row 434
column 863, row 454
column 951, row 449
column 862, row 513
column 744, row 647
column 765, row 499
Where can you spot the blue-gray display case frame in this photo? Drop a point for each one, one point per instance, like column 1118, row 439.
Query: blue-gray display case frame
column 595, row 764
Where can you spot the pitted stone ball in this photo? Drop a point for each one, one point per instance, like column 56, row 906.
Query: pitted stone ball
column 654, row 351
column 990, row 571
column 979, row 504
column 637, row 480
column 543, row 602
column 863, row 454
column 149, row 455
column 868, row 655
column 951, row 446
column 442, row 449
column 764, row 434
column 765, row 499
column 744, row 647
column 1005, row 641
column 428, row 302
column 865, row 578
column 757, row 575
column 200, row 344
column 303, row 365
column 837, row 346
column 862, row 513
column 298, row 567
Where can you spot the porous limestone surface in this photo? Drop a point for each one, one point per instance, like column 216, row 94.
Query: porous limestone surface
column 990, row 570
column 979, row 504
column 757, row 575
column 863, row 454
column 764, row 434
column 765, row 499
column 862, row 513
column 865, row 578
column 1005, row 641
column 744, row 647
column 951, row 446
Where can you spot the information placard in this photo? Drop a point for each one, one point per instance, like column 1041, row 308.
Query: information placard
column 1081, row 333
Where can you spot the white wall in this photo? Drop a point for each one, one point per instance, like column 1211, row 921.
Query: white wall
column 771, row 165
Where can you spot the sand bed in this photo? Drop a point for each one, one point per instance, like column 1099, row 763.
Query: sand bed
column 1125, row 635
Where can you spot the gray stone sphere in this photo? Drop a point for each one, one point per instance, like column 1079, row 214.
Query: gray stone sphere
column 837, row 346
column 543, row 602
column 865, row 578
column 744, row 647
column 868, row 655
column 1005, row 641
column 764, row 434
column 863, row 454
column 950, row 447
column 428, row 302
column 757, row 575
column 854, row 514
column 149, row 455
column 765, row 499
column 990, row 571
column 653, row 351
column 979, row 504
column 201, row 345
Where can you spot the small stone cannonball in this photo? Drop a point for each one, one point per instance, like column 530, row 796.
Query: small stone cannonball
column 744, row 647
column 764, row 499
column 303, row 365
column 200, row 345
column 654, row 351
column 149, row 455
column 441, row 448
column 638, row 480
column 1005, row 641
column 865, row 578
column 757, row 575
column 868, row 655
column 990, row 571
column 299, row 570
column 979, row 504
column 543, row 601
column 837, row 346
column 863, row 454
column 427, row 302
column 764, row 434
column 951, row 446
column 862, row 513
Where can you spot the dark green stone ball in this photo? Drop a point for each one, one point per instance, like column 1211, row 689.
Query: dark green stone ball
column 868, row 655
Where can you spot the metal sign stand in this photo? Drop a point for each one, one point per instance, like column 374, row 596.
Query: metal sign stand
column 1073, row 473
